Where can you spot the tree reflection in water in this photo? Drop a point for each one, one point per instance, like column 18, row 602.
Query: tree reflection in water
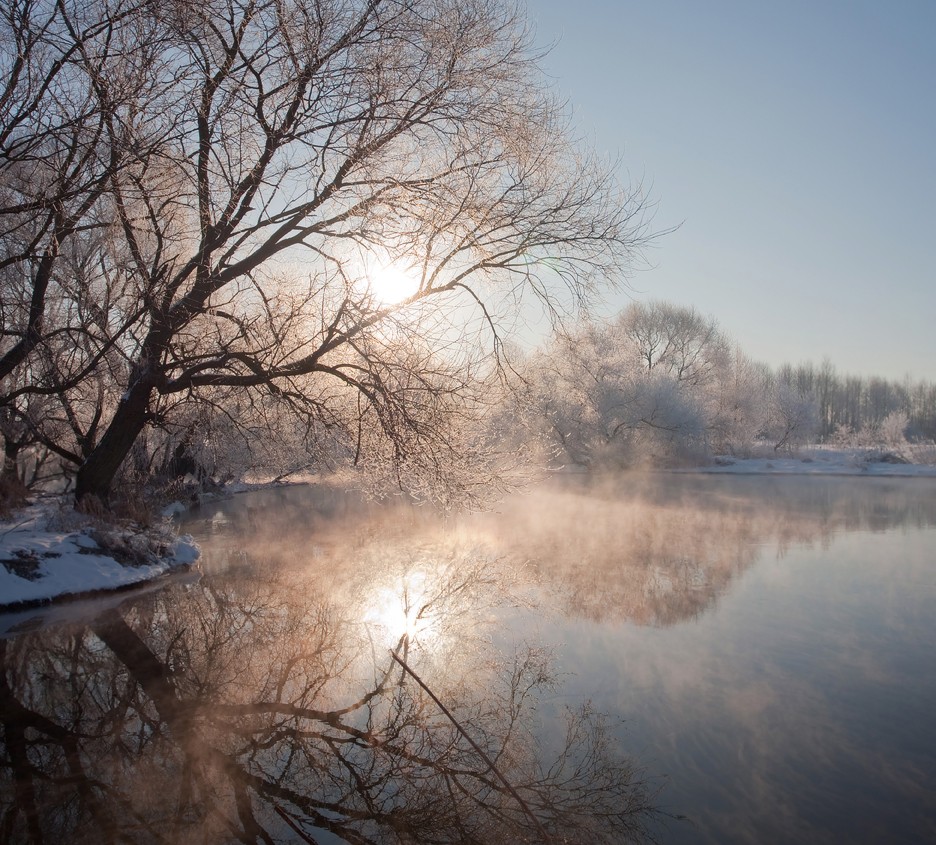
column 658, row 550
column 256, row 710
column 262, row 704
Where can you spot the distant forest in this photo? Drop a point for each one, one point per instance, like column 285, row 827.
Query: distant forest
column 861, row 403
column 661, row 383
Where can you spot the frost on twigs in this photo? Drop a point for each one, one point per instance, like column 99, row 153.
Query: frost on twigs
column 196, row 236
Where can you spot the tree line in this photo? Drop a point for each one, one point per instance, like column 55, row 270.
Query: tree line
column 858, row 405
column 661, row 383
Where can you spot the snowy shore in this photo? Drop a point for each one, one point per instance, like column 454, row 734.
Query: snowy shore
column 48, row 553
column 821, row 460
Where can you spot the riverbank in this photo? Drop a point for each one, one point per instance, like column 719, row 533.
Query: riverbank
column 50, row 554
column 822, row 460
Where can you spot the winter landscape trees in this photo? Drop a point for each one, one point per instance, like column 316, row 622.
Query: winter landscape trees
column 201, row 205
column 197, row 198
column 661, row 384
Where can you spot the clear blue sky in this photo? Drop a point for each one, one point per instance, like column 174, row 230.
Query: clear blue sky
column 795, row 145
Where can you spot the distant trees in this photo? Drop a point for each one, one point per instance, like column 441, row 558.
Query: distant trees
column 857, row 406
column 631, row 389
column 677, row 341
column 193, row 198
column 793, row 418
column 659, row 383
column 742, row 405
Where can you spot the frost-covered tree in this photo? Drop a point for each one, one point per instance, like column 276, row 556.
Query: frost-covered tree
column 675, row 340
column 894, row 429
column 742, row 406
column 657, row 382
column 237, row 176
column 793, row 417
column 626, row 391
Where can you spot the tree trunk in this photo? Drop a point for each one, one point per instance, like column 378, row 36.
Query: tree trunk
column 10, row 471
column 96, row 474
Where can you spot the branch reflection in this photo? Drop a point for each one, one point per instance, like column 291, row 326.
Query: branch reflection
column 263, row 704
column 259, row 710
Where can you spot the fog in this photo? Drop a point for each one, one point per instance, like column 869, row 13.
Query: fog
column 645, row 548
column 592, row 661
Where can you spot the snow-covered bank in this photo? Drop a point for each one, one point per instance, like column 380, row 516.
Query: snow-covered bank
column 821, row 460
column 48, row 554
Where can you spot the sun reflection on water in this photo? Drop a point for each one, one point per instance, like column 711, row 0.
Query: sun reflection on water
column 402, row 611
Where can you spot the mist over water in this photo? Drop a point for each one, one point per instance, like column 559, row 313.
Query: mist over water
column 769, row 643
column 761, row 648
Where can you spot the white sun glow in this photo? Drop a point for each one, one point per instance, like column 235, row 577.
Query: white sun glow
column 400, row 611
column 392, row 284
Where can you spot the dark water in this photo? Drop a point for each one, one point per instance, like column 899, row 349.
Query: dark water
column 755, row 654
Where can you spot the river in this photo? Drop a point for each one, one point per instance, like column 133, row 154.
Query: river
column 703, row 659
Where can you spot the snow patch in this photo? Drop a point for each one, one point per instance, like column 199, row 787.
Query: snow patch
column 820, row 460
column 48, row 554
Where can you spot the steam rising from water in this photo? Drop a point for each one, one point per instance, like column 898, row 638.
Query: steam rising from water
column 269, row 687
column 649, row 550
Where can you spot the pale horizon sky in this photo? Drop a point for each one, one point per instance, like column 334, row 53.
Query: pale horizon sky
column 793, row 144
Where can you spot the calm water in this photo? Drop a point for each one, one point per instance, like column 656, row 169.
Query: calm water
column 754, row 654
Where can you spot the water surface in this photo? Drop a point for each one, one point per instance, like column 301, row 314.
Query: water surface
column 755, row 654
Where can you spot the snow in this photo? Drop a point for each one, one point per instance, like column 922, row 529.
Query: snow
column 48, row 553
column 821, row 460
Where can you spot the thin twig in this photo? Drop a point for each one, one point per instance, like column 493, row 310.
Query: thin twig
column 286, row 817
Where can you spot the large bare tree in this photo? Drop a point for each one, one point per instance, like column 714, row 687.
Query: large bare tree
column 236, row 173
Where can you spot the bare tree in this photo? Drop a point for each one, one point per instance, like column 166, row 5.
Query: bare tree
column 62, row 312
column 676, row 340
column 257, row 163
column 794, row 417
column 631, row 390
column 742, row 406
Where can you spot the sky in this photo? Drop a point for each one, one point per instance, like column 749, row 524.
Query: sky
column 793, row 145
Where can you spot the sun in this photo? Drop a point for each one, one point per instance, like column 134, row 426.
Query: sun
column 392, row 284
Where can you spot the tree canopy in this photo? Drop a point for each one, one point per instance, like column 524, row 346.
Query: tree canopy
column 659, row 383
column 196, row 198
